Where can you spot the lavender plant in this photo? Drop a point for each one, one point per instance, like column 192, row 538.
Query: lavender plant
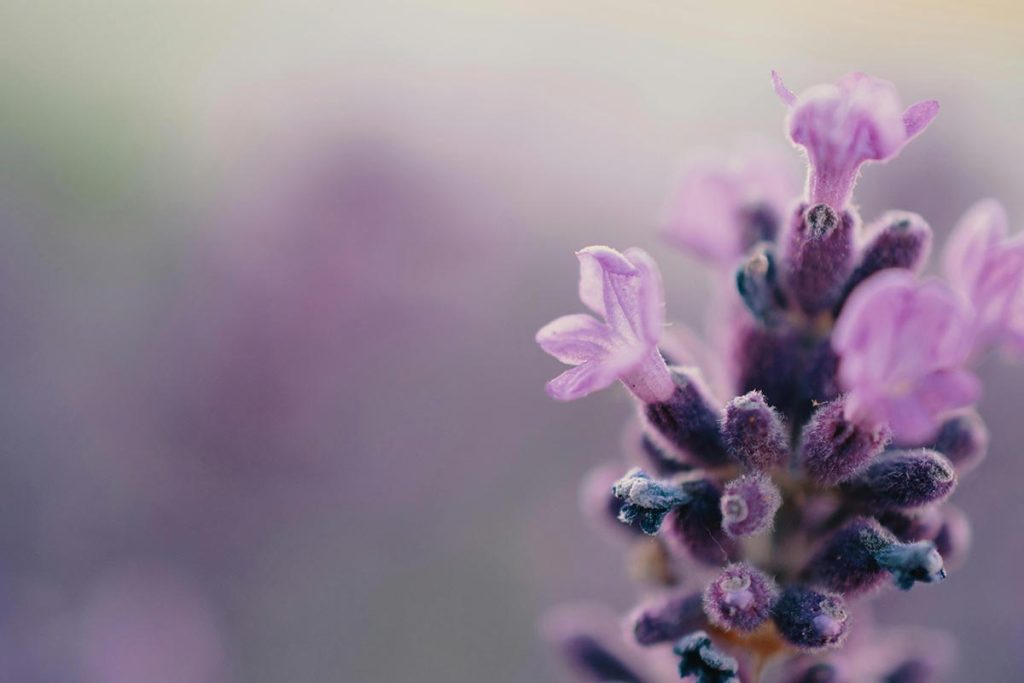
column 766, row 498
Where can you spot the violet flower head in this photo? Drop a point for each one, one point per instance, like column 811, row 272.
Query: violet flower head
column 987, row 266
column 842, row 126
column 625, row 289
column 902, row 348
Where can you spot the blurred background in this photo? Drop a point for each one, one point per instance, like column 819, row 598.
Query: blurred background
column 270, row 404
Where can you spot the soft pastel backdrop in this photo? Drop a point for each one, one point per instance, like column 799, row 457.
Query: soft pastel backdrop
column 269, row 275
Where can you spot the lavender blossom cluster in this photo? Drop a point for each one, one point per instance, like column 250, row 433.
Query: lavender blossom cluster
column 807, row 466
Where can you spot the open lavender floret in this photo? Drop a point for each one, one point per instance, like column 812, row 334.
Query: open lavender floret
column 765, row 507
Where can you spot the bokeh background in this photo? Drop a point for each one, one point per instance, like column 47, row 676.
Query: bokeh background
column 269, row 275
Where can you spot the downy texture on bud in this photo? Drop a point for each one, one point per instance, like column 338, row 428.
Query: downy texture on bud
column 902, row 479
column 740, row 598
column 833, row 448
column 899, row 239
column 818, row 256
column 810, row 619
column 749, row 505
column 688, row 420
column 754, row 433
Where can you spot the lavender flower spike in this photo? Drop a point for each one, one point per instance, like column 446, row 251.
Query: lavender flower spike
column 625, row 289
column 902, row 345
column 987, row 267
column 842, row 126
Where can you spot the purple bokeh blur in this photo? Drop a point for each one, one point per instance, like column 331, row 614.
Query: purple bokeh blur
column 271, row 405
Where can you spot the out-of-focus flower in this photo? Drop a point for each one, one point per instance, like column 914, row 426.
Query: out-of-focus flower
column 146, row 625
column 625, row 289
column 902, row 346
column 724, row 206
column 987, row 267
column 842, row 126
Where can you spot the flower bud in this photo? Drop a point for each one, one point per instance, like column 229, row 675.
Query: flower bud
column 963, row 439
column 688, row 421
column 697, row 526
column 668, row 618
column 911, row 671
column 754, row 433
column 757, row 281
column 902, row 479
column 899, row 239
column 857, row 557
column 646, row 501
column 700, row 659
column 810, row 619
column 818, row 257
column 846, row 562
column 833, row 448
column 749, row 505
column 740, row 598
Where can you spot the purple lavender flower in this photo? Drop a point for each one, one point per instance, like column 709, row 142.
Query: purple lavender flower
column 835, row 349
column 902, row 347
column 625, row 289
column 721, row 209
column 842, row 126
column 987, row 267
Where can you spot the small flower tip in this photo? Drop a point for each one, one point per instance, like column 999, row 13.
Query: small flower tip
column 784, row 93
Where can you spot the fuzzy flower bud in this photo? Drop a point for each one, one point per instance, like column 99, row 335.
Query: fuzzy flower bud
column 668, row 618
column 842, row 126
column 832, row 448
column 688, row 420
column 700, row 659
column 902, row 479
column 646, row 501
column 754, row 433
column 899, row 239
column 749, row 505
column 818, row 256
column 810, row 619
column 963, row 439
column 859, row 556
column 740, row 598
column 697, row 526
column 625, row 290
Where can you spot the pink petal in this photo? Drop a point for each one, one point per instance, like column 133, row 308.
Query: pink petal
column 784, row 93
column 918, row 116
column 575, row 339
